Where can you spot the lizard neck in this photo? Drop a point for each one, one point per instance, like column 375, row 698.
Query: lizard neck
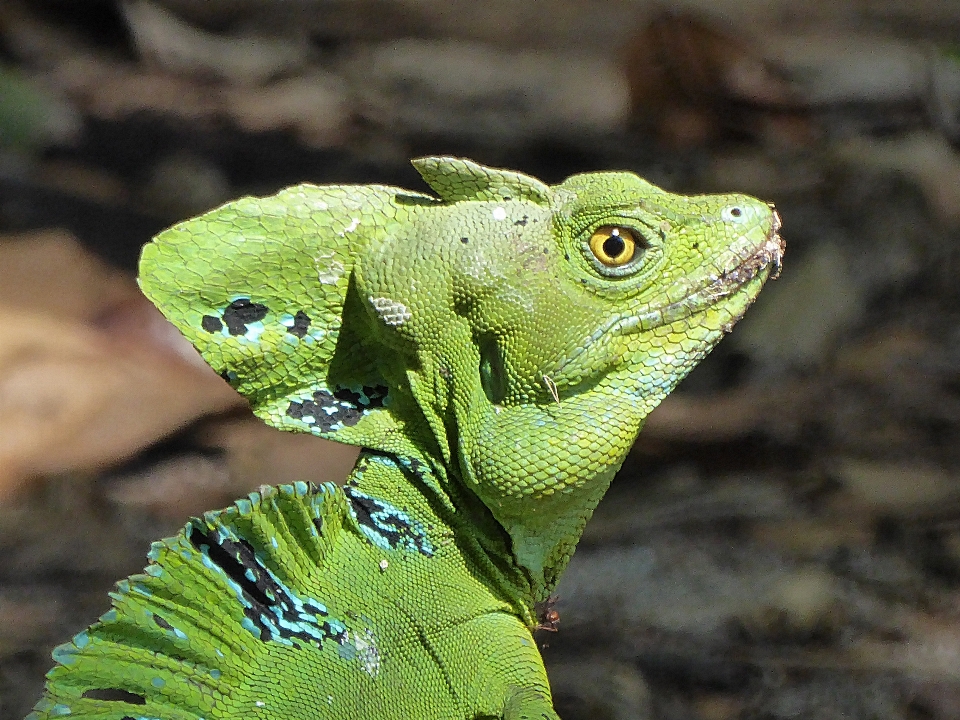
column 542, row 470
column 460, row 530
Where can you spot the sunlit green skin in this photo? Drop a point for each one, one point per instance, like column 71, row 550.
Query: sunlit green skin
column 517, row 373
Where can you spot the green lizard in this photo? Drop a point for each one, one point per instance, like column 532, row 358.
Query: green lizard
column 494, row 351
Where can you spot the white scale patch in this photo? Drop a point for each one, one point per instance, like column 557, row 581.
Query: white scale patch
column 254, row 331
column 351, row 227
column 499, row 213
column 329, row 269
column 390, row 311
column 367, row 651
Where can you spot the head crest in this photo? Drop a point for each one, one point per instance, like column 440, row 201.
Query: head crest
column 455, row 179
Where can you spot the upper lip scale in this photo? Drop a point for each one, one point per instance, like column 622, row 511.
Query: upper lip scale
column 771, row 251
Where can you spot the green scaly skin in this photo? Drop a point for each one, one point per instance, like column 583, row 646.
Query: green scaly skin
column 496, row 373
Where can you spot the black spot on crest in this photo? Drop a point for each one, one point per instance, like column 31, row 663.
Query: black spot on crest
column 161, row 622
column 522, row 221
column 342, row 408
column 301, row 323
column 211, row 323
column 114, row 695
column 385, row 524
column 235, row 558
column 415, row 466
column 464, row 240
column 241, row 312
column 364, row 508
column 390, row 524
column 370, row 513
column 265, row 600
column 317, row 410
column 351, row 396
column 371, row 397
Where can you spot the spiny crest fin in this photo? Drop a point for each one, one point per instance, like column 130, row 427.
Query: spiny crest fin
column 455, row 179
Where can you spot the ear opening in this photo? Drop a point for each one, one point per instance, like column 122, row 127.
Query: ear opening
column 492, row 373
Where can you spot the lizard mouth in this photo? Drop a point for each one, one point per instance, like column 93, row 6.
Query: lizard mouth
column 768, row 256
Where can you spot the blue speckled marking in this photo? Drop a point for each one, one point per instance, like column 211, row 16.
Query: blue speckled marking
column 329, row 411
column 273, row 611
column 60, row 709
column 387, row 526
column 158, row 682
column 247, row 624
column 254, row 331
column 65, row 654
column 298, row 326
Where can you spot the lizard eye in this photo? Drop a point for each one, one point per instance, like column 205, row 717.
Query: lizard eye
column 613, row 246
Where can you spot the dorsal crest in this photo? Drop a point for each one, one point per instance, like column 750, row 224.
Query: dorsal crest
column 456, row 179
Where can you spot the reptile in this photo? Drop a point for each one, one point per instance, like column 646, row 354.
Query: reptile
column 494, row 348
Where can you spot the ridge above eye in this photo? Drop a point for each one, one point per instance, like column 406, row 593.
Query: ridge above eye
column 613, row 245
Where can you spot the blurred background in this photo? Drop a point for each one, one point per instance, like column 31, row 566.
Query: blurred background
column 784, row 540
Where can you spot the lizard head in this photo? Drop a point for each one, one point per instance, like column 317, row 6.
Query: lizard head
column 574, row 310
column 513, row 334
column 667, row 275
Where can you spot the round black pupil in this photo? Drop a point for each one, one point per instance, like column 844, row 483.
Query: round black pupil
column 613, row 246
column 736, row 212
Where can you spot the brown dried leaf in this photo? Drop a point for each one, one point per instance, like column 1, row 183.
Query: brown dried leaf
column 73, row 397
column 258, row 454
column 91, row 372
column 48, row 271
